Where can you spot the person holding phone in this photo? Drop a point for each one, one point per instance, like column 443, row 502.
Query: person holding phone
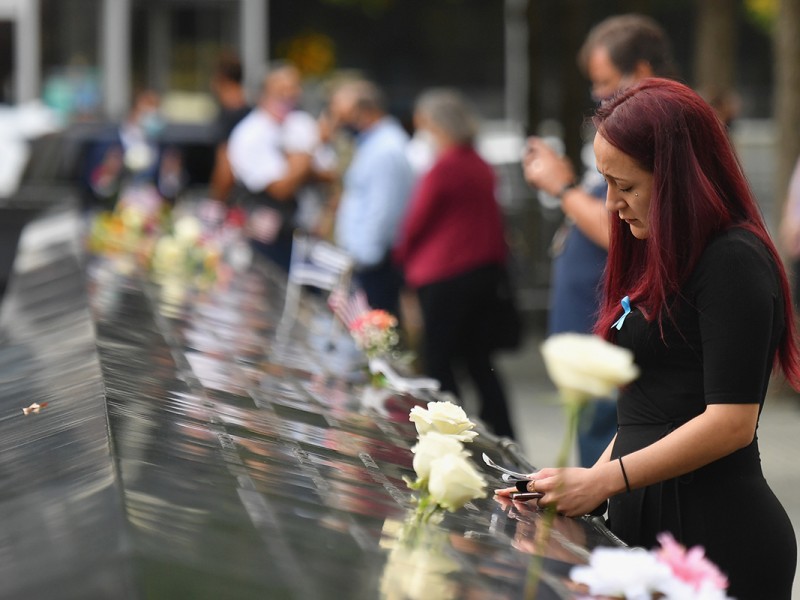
column 710, row 318
column 617, row 52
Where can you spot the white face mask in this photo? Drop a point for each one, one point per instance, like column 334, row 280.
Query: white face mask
column 425, row 137
column 422, row 150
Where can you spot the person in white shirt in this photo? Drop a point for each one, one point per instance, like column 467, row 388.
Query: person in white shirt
column 270, row 152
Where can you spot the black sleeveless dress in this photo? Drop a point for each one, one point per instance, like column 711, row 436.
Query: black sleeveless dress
column 718, row 349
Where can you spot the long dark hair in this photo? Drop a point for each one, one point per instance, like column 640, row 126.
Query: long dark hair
column 699, row 190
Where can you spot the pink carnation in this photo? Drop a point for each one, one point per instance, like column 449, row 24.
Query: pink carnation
column 690, row 566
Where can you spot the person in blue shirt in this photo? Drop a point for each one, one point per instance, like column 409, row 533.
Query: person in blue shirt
column 375, row 192
column 617, row 52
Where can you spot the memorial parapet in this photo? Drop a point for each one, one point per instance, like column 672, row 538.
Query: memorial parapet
column 187, row 451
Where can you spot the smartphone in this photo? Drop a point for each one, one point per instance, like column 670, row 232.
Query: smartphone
column 523, row 496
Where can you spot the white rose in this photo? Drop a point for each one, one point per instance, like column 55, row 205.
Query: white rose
column 431, row 446
column 444, row 417
column 453, row 482
column 188, row 230
column 586, row 366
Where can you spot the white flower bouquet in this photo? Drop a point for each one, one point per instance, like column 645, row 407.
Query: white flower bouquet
column 446, row 477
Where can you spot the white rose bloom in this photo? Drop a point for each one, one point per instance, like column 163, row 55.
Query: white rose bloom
column 453, row 482
column 631, row 573
column 431, row 446
column 188, row 230
column 444, row 417
column 586, row 366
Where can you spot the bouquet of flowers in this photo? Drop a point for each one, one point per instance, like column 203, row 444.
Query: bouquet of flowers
column 374, row 331
column 131, row 228
column 446, row 477
column 186, row 253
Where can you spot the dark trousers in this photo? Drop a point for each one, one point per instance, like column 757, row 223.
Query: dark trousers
column 452, row 311
column 279, row 251
column 382, row 285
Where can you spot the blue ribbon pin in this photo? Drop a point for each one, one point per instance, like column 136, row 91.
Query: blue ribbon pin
column 626, row 306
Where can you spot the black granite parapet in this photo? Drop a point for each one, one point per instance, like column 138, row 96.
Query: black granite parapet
column 189, row 451
column 63, row 530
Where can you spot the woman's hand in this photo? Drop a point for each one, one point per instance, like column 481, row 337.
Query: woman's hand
column 572, row 491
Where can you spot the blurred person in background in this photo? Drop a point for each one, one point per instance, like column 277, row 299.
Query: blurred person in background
column 421, row 150
column 617, row 52
column 709, row 322
column 376, row 190
column 226, row 84
column 316, row 199
column 452, row 249
column 270, row 153
column 130, row 153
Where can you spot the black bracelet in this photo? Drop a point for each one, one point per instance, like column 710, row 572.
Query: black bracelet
column 567, row 187
column 624, row 475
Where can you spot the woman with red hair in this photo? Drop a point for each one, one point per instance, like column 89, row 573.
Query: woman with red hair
column 708, row 315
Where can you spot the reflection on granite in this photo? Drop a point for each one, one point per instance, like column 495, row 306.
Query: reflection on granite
column 230, row 465
column 63, row 526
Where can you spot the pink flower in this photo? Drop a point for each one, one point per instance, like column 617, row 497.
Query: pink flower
column 374, row 332
column 690, row 566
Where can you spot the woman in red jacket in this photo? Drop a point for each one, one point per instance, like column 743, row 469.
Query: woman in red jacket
column 452, row 250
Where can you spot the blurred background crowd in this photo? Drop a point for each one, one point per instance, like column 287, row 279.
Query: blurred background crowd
column 396, row 129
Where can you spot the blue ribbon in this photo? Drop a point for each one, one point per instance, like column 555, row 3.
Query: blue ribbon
column 626, row 306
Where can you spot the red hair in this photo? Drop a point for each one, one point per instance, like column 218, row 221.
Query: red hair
column 699, row 190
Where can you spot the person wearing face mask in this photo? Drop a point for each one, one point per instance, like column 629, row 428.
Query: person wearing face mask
column 375, row 190
column 617, row 52
column 452, row 249
column 270, row 154
column 130, row 154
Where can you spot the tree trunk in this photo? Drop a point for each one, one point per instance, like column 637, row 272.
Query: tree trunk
column 787, row 97
column 715, row 47
column 574, row 24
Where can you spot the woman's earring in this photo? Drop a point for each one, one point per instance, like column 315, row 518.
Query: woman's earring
column 636, row 194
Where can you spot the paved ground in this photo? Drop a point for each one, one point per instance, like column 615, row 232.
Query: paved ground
column 541, row 424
